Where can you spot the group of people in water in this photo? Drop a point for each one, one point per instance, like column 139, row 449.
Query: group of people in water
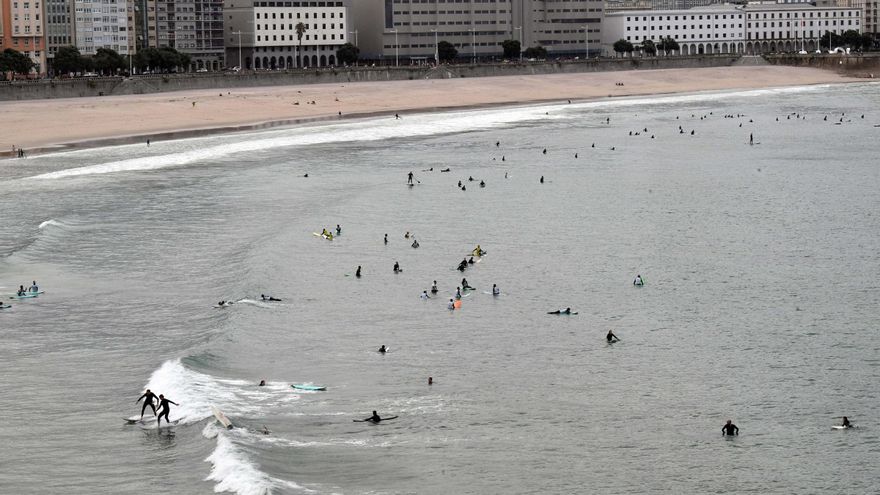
column 33, row 289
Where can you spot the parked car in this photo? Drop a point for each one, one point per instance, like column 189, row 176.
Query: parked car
column 203, row 69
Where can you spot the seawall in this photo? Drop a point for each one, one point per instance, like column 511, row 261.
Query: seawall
column 105, row 86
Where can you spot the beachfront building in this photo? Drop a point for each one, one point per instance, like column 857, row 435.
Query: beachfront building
column 794, row 27
column 193, row 27
column 59, row 27
column 22, row 29
column 263, row 35
column 750, row 29
column 100, row 24
column 713, row 29
column 408, row 31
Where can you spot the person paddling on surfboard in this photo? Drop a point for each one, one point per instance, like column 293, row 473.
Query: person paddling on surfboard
column 729, row 429
column 611, row 337
column 149, row 398
column 375, row 418
column 21, row 290
column 566, row 311
column 164, row 409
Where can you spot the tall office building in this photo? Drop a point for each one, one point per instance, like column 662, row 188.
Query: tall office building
column 559, row 25
column 59, row 27
column 22, row 29
column 197, row 30
column 263, row 35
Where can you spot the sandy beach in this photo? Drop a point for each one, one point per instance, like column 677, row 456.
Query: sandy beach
column 41, row 124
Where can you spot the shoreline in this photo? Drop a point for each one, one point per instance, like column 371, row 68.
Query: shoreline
column 169, row 116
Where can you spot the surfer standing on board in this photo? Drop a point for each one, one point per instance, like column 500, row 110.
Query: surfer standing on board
column 164, row 409
column 149, row 400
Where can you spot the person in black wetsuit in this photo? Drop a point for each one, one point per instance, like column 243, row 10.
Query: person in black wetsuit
column 149, row 400
column 409, row 178
column 465, row 285
column 846, row 423
column 382, row 350
column 396, row 267
column 358, row 272
column 611, row 337
column 164, row 409
column 375, row 418
column 729, row 429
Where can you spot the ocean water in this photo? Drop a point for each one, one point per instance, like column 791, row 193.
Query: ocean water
column 760, row 303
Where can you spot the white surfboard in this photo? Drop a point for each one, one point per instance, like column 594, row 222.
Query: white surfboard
column 221, row 418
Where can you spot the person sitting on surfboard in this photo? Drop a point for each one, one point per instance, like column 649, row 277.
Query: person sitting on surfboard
column 638, row 280
column 415, row 243
column 148, row 397
column 462, row 265
column 611, row 337
column 478, row 251
column 471, row 261
column 434, row 289
column 464, row 284
column 34, row 287
column 21, row 290
column 729, row 429
column 396, row 267
column 375, row 418
column 846, row 423
column 495, row 290
column 424, row 296
column 164, row 409
column 382, row 349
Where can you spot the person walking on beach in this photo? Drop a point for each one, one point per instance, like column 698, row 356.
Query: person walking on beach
column 164, row 409
column 149, row 398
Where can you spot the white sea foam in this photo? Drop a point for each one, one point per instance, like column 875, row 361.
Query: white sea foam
column 53, row 223
column 197, row 392
column 232, row 471
column 364, row 130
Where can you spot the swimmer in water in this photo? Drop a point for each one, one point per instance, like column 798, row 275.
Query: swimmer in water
column 611, row 337
column 729, row 429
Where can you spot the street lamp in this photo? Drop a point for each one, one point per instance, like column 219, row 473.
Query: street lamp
column 520, row 42
column 587, row 42
column 474, row 44
column 436, row 48
column 396, row 49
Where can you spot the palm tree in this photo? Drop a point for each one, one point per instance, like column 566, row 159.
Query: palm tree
column 300, row 29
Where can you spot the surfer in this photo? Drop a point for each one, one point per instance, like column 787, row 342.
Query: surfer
column 21, row 290
column 268, row 298
column 338, row 229
column 451, row 304
column 382, row 349
column 34, row 287
column 542, row 179
column 478, row 251
column 462, row 265
column 482, row 183
column 611, row 337
column 149, row 398
column 424, row 296
column 434, row 287
column 458, row 292
column 262, row 383
column 415, row 243
column 729, row 429
column 409, row 178
column 396, row 267
column 357, row 273
column 495, row 290
column 464, row 284
column 471, row 261
column 846, row 423
column 751, row 138
column 566, row 311
column 164, row 409
column 638, row 280
column 386, row 238
column 375, row 418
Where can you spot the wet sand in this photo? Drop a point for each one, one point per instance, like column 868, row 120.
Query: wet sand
column 39, row 125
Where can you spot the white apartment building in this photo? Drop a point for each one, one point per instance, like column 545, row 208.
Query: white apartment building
column 749, row 29
column 101, row 24
column 263, row 35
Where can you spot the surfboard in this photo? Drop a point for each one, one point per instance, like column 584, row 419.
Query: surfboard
column 313, row 388
column 839, row 427
column 25, row 296
column 221, row 418
column 374, row 422
column 5, row 306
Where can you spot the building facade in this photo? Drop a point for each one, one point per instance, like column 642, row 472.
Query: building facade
column 100, row 24
column 59, row 27
column 22, row 28
column 750, row 29
column 195, row 27
column 263, row 35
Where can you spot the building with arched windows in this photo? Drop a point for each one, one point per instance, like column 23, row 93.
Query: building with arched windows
column 749, row 29
column 265, row 35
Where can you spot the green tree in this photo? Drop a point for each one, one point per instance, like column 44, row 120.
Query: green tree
column 300, row 30
column 107, row 61
column 649, row 48
column 347, row 54
column 668, row 44
column 867, row 42
column 623, row 46
column 15, row 62
column 446, row 51
column 852, row 38
column 835, row 41
column 511, row 48
column 67, row 60
column 538, row 52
